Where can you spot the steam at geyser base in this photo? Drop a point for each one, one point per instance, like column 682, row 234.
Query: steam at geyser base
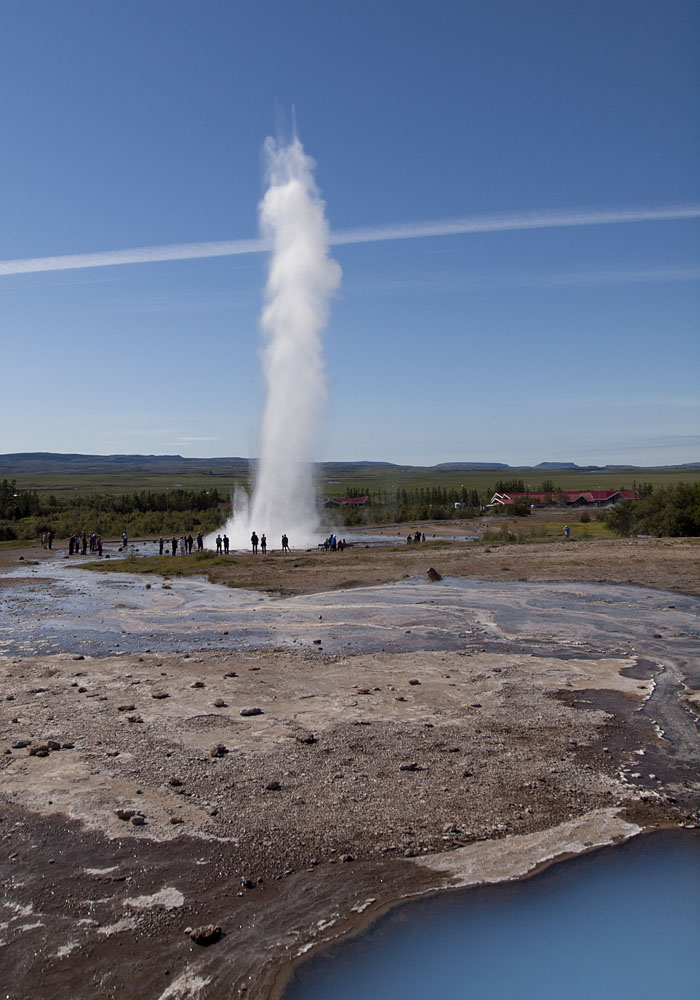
column 301, row 280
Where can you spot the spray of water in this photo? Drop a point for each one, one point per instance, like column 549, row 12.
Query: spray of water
column 301, row 280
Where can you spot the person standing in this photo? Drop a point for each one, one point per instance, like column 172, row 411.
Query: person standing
column 263, row 544
column 219, row 541
column 226, row 544
column 161, row 543
column 125, row 539
column 254, row 543
column 285, row 543
column 174, row 545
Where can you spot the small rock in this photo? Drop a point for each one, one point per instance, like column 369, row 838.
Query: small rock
column 475, row 704
column 206, row 935
column 197, row 684
column 248, row 883
column 363, row 690
column 412, row 766
column 433, row 575
column 175, row 782
column 134, row 718
column 414, row 681
column 126, row 708
column 79, row 657
column 125, row 814
column 346, row 857
column 68, row 746
column 317, row 642
column 309, row 739
column 273, row 786
column 20, row 744
column 112, row 753
column 251, row 711
column 159, row 694
column 82, row 690
column 176, row 819
column 138, row 820
column 219, row 750
column 9, row 697
column 230, row 673
column 39, row 750
column 53, row 744
column 219, row 703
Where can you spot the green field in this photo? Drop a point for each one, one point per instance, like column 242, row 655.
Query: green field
column 338, row 480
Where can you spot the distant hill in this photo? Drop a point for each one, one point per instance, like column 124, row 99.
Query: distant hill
column 559, row 465
column 52, row 463
column 472, row 466
column 46, row 462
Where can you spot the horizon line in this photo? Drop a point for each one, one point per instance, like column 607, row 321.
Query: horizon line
column 499, row 223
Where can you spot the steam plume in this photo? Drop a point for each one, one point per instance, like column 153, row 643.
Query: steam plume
column 301, row 280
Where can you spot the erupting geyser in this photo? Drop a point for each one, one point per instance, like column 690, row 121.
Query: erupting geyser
column 302, row 278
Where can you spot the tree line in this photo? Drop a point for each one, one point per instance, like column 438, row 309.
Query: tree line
column 24, row 514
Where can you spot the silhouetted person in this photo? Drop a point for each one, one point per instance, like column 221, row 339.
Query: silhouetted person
column 263, row 544
column 200, row 541
column 226, row 544
column 174, row 545
column 285, row 543
column 218, row 545
column 160, row 546
column 254, row 542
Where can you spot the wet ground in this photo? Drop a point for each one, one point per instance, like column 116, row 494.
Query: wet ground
column 399, row 721
column 53, row 607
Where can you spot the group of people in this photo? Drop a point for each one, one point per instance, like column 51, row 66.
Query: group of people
column 412, row 539
column 185, row 544
column 262, row 541
column 333, row 544
column 46, row 539
column 79, row 544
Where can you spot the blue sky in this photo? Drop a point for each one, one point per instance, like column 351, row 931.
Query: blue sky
column 137, row 124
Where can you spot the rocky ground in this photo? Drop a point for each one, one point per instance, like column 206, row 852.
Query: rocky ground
column 287, row 796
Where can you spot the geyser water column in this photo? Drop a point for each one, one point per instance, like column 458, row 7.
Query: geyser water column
column 301, row 280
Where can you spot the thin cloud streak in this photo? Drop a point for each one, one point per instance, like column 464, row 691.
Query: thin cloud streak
column 376, row 234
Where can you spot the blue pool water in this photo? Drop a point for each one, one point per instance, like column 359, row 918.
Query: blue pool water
column 621, row 923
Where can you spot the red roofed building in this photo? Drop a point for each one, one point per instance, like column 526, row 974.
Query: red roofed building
column 566, row 498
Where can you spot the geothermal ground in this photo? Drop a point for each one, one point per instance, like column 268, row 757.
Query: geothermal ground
column 177, row 753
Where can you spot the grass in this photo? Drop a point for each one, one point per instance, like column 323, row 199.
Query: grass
column 197, row 564
column 339, row 480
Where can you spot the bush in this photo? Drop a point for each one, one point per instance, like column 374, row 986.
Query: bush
column 672, row 512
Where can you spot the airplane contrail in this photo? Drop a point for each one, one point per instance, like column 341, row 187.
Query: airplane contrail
column 374, row 234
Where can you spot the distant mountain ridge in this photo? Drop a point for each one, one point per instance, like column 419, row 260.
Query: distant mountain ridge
column 47, row 462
